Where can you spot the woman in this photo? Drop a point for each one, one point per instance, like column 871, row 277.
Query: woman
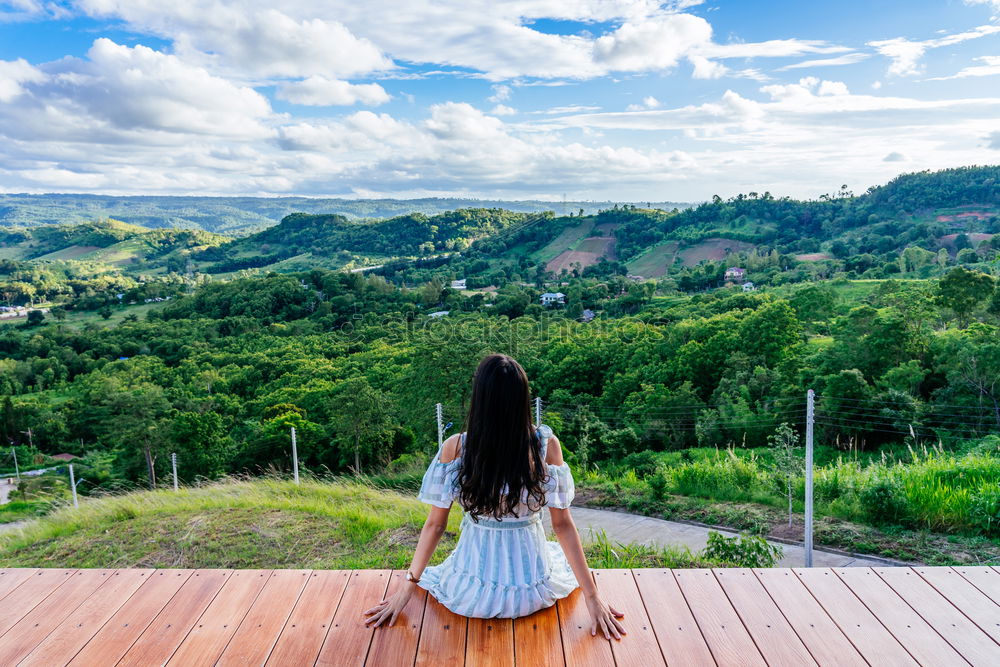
column 502, row 470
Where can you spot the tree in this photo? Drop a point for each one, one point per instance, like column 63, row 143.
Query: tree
column 785, row 445
column 105, row 312
column 59, row 313
column 362, row 418
column 962, row 290
column 35, row 318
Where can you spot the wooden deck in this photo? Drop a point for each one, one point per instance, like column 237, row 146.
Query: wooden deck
column 849, row 616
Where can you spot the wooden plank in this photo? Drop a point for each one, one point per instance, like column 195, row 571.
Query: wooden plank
column 254, row 639
column 921, row 641
column 162, row 637
column 537, row 640
column 974, row 644
column 490, row 643
column 442, row 638
column 772, row 634
column 348, row 641
column 873, row 641
column 208, row 638
column 971, row 601
column 23, row 599
column 985, row 579
column 721, row 626
column 66, row 640
column 29, row 632
column 11, row 578
column 113, row 640
column 826, row 643
column 398, row 645
column 306, row 629
column 676, row 631
column 639, row 647
column 579, row 647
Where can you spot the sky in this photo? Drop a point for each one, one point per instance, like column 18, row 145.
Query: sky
column 629, row 100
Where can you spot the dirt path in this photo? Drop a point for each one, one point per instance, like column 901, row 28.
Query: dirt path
column 636, row 529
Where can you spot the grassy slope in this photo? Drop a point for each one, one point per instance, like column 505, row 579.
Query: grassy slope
column 262, row 523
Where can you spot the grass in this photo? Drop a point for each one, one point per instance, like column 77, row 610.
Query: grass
column 935, row 524
column 261, row 523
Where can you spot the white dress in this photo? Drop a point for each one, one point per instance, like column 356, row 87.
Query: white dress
column 500, row 569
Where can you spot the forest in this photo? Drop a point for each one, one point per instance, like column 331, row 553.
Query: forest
column 672, row 389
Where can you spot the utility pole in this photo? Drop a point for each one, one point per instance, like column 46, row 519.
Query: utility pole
column 295, row 457
column 72, row 486
column 810, row 421
column 538, row 410
column 17, row 470
column 440, row 424
column 173, row 464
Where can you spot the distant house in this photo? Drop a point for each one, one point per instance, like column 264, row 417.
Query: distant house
column 458, row 284
column 749, row 287
column 439, row 313
column 587, row 315
column 553, row 298
column 735, row 273
column 65, row 457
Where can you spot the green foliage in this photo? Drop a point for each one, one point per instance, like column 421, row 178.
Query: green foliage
column 884, row 502
column 741, row 550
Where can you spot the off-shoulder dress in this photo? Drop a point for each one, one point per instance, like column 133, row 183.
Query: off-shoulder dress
column 500, row 568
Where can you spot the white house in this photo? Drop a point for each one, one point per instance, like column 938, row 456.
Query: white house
column 553, row 298
column 438, row 313
column 587, row 315
column 749, row 287
column 458, row 284
column 735, row 273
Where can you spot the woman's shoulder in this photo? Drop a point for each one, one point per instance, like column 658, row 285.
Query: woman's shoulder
column 451, row 449
column 551, row 446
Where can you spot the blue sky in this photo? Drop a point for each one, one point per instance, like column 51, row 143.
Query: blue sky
column 595, row 99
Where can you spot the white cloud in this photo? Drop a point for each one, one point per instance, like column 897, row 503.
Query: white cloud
column 894, row 156
column 655, row 44
column 14, row 73
column 320, row 91
column 706, row 69
column 774, row 48
column 906, row 54
column 994, row 141
column 846, row 59
column 648, row 102
column 990, row 67
column 249, row 37
column 501, row 93
column 995, row 4
column 341, row 40
column 134, row 92
column 503, row 110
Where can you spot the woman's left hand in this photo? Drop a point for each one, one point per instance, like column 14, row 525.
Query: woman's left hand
column 389, row 608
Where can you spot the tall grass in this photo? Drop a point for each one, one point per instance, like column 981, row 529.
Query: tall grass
column 928, row 489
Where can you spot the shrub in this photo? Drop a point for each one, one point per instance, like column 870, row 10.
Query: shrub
column 741, row 550
column 883, row 501
column 985, row 511
column 657, row 485
column 644, row 463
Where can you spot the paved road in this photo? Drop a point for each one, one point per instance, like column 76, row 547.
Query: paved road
column 635, row 529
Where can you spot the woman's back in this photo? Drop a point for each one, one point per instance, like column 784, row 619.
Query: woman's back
column 502, row 566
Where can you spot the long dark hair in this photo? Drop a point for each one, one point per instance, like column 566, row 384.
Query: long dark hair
column 501, row 458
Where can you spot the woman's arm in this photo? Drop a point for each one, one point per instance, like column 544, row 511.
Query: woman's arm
column 430, row 535
column 602, row 616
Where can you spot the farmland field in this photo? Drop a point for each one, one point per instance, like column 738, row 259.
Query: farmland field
column 712, row 250
column 586, row 252
column 72, row 252
column 566, row 239
column 656, row 262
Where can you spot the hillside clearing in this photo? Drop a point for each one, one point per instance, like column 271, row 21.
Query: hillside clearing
column 714, row 250
column 564, row 240
column 70, row 252
column 656, row 262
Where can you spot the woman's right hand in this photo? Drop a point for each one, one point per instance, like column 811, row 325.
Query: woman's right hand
column 605, row 618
